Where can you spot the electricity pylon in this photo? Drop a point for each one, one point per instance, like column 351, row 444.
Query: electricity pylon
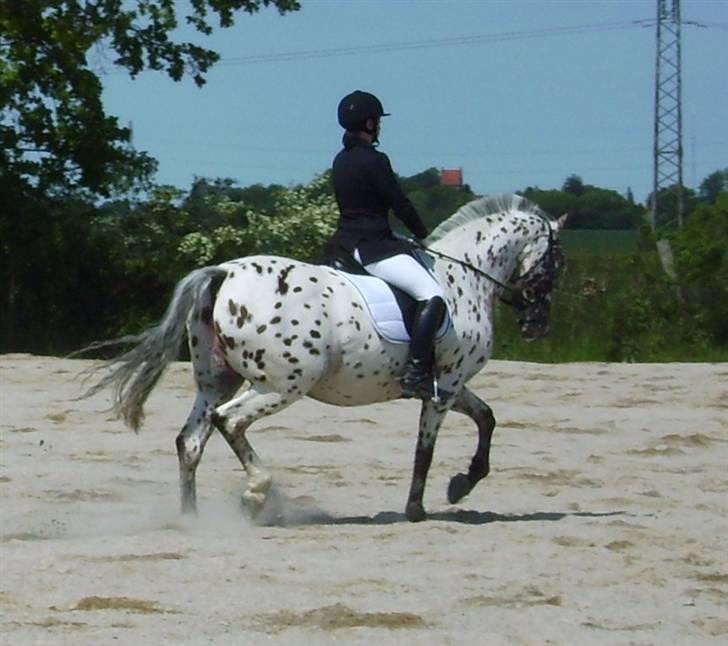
column 667, row 190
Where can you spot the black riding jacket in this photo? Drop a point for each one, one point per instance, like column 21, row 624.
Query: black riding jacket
column 366, row 189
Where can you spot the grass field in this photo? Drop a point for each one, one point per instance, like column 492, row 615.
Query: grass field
column 599, row 240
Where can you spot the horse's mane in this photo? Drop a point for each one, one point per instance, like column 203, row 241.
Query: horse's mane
column 482, row 207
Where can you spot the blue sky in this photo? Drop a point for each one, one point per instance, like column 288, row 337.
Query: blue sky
column 528, row 109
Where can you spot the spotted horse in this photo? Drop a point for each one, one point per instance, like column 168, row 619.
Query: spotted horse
column 286, row 329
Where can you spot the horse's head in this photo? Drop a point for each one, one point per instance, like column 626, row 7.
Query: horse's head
column 537, row 274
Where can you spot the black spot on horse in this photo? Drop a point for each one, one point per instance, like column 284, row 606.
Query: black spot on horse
column 261, row 328
column 282, row 284
column 232, row 307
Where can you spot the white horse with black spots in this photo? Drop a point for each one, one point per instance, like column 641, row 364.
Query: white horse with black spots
column 287, row 329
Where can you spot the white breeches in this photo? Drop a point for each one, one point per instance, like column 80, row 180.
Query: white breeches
column 405, row 272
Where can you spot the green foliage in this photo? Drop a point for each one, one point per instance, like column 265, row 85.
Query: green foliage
column 615, row 302
column 433, row 201
column 701, row 249
column 612, row 306
column 713, row 185
column 667, row 205
column 589, row 207
column 54, row 132
column 60, row 151
column 81, row 272
column 303, row 219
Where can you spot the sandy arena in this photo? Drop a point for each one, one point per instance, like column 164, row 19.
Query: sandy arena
column 604, row 519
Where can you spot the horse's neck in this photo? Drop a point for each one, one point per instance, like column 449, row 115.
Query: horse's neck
column 493, row 248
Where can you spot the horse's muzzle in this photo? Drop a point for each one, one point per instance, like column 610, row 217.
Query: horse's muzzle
column 534, row 321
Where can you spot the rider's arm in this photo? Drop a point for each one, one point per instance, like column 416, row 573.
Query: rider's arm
column 396, row 199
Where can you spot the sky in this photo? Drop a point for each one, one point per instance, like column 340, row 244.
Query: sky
column 516, row 93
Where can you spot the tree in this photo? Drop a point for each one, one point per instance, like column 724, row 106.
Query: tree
column 54, row 132
column 573, row 185
column 433, row 201
column 552, row 201
column 590, row 207
column 713, row 185
column 702, row 260
column 57, row 144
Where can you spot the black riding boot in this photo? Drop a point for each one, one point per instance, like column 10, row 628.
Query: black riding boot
column 417, row 380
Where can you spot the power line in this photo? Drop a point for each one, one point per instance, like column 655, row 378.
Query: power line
column 476, row 39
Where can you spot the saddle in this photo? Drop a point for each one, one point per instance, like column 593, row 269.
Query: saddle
column 392, row 310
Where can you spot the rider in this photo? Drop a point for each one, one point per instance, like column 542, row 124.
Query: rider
column 366, row 189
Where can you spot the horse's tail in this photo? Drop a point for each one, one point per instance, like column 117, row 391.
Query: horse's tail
column 135, row 373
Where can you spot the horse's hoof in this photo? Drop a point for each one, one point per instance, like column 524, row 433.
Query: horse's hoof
column 458, row 488
column 253, row 503
column 415, row 512
column 188, row 506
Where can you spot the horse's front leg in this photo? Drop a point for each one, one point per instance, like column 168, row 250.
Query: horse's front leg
column 431, row 416
column 462, row 484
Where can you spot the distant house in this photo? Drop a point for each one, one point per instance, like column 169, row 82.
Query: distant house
column 451, row 177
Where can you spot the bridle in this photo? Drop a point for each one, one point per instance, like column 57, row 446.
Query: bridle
column 533, row 288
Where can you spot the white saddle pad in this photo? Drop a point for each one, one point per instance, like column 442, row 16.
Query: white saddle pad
column 383, row 308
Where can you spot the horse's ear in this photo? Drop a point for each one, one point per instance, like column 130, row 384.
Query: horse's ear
column 561, row 222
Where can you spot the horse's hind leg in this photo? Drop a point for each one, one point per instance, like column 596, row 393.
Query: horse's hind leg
column 216, row 383
column 232, row 420
column 193, row 437
column 475, row 408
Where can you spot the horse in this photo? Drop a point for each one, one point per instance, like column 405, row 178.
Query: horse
column 286, row 329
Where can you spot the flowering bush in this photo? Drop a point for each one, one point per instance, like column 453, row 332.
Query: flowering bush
column 304, row 218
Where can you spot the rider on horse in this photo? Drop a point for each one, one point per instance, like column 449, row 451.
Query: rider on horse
column 366, row 189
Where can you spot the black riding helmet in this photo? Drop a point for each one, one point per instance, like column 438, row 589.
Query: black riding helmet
column 357, row 107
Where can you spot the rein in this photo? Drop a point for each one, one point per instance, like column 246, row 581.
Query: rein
column 463, row 263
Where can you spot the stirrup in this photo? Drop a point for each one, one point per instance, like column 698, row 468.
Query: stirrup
column 425, row 388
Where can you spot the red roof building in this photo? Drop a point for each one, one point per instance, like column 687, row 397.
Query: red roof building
column 451, row 177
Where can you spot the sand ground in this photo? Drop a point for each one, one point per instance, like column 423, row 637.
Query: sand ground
column 604, row 519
